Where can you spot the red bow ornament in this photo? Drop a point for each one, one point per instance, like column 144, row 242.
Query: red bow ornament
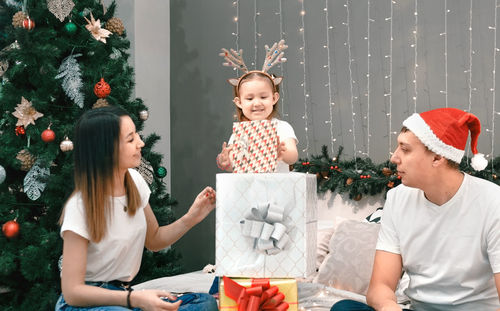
column 259, row 296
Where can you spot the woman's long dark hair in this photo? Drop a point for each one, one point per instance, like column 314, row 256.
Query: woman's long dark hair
column 97, row 142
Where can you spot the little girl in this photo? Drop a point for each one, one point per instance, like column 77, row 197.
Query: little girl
column 256, row 95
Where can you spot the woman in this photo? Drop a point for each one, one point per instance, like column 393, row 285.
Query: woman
column 107, row 221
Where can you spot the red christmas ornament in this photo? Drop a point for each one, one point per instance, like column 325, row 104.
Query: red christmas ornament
column 10, row 229
column 20, row 130
column 28, row 23
column 102, row 89
column 48, row 135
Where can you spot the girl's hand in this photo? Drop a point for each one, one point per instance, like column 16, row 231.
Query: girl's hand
column 151, row 300
column 224, row 158
column 287, row 151
column 201, row 207
column 281, row 149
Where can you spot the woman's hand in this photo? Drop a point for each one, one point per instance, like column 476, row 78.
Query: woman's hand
column 201, row 207
column 224, row 158
column 151, row 300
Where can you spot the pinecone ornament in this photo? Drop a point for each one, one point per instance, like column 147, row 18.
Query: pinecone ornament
column 26, row 158
column 18, row 19
column 386, row 171
column 115, row 25
column 101, row 102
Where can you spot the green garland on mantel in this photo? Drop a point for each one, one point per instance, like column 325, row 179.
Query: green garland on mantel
column 360, row 176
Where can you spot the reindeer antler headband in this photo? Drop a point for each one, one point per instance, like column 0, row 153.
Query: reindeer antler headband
column 274, row 55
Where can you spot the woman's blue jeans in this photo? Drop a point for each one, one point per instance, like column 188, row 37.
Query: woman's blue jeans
column 200, row 302
column 351, row 305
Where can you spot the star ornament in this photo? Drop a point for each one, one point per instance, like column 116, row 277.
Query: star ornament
column 94, row 26
column 25, row 113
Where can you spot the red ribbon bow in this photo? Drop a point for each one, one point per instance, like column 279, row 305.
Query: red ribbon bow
column 259, row 296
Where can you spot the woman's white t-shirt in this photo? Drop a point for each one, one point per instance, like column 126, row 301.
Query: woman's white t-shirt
column 118, row 255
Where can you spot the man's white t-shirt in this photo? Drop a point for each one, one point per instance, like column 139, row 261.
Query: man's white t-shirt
column 118, row 255
column 450, row 252
column 284, row 131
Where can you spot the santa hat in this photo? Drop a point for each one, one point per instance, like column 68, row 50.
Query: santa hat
column 445, row 132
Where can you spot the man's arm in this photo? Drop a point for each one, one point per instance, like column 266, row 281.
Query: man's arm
column 386, row 273
column 497, row 282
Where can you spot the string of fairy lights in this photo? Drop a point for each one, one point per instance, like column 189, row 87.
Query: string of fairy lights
column 236, row 33
column 351, row 80
column 469, row 70
column 256, row 33
column 304, row 81
column 389, row 76
column 282, row 72
column 415, row 53
column 445, row 38
column 493, row 87
column 368, row 60
column 329, row 72
column 332, row 85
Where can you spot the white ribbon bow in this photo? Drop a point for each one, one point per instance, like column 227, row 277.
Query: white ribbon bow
column 264, row 224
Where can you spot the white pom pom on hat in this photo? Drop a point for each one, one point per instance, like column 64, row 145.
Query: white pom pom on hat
column 445, row 132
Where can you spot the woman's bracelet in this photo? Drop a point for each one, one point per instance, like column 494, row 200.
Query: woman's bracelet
column 128, row 297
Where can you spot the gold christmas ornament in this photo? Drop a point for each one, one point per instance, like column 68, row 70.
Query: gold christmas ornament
column 26, row 158
column 25, row 113
column 94, row 26
column 358, row 197
column 101, row 102
column 349, row 181
column 66, row 145
column 115, row 25
column 18, row 19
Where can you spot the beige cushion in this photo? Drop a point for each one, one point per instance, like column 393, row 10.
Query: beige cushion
column 323, row 240
column 349, row 263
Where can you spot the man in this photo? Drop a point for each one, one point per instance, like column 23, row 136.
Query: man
column 441, row 225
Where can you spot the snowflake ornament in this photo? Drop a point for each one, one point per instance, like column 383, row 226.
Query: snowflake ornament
column 94, row 26
column 25, row 113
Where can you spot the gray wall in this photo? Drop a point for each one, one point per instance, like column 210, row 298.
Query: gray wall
column 201, row 107
column 150, row 57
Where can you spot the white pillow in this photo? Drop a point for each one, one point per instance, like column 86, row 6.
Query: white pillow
column 348, row 265
column 323, row 245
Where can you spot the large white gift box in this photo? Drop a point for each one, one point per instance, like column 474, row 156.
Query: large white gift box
column 266, row 225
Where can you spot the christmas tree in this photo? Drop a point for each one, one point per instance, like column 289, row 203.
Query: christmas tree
column 60, row 58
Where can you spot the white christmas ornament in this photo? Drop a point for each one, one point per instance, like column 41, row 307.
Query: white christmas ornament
column 35, row 181
column 72, row 79
column 3, row 174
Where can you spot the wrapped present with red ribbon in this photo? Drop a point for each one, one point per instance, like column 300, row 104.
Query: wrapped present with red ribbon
column 256, row 146
column 245, row 294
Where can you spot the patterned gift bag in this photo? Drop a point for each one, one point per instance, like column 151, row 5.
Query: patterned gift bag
column 256, row 146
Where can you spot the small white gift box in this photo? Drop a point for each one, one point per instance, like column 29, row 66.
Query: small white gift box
column 266, row 225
